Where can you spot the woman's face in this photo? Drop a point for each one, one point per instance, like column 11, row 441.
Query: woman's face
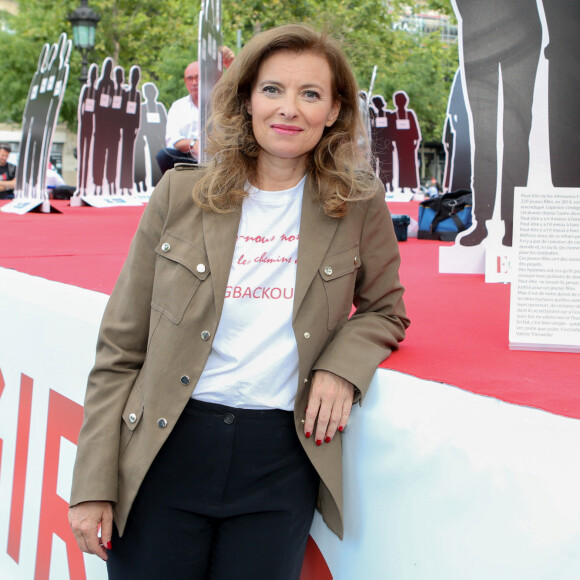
column 291, row 104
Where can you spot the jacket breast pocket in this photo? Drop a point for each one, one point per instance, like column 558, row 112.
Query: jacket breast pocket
column 181, row 267
column 338, row 271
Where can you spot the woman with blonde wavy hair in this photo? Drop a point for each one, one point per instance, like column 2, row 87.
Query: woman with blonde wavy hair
column 228, row 358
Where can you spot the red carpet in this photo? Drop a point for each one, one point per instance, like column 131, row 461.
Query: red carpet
column 459, row 331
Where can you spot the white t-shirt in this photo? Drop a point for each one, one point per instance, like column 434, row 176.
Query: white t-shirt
column 182, row 121
column 254, row 359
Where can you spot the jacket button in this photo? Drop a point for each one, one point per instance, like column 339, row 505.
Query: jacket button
column 200, row 268
column 184, row 380
column 356, row 260
column 132, row 418
column 165, row 247
column 228, row 418
column 328, row 271
column 162, row 423
column 306, row 335
column 205, row 334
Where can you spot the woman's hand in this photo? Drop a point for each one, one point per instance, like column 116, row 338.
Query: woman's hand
column 329, row 405
column 85, row 520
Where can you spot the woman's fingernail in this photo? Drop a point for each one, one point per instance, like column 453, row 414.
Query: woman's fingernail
column 308, row 434
column 319, row 442
column 328, row 439
column 109, row 546
column 341, row 428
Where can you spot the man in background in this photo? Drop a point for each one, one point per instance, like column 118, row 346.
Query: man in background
column 7, row 173
column 182, row 130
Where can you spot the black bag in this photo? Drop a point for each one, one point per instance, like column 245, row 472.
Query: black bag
column 444, row 216
column 401, row 223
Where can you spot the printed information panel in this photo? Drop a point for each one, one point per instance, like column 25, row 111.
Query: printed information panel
column 545, row 294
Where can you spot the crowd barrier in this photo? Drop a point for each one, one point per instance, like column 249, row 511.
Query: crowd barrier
column 440, row 484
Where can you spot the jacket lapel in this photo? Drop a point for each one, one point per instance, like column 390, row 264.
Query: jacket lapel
column 220, row 231
column 316, row 233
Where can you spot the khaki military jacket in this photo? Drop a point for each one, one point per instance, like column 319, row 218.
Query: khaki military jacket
column 163, row 313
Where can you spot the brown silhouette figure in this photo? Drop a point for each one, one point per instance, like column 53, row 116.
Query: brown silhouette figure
column 86, row 127
column 129, row 122
column 382, row 139
column 105, row 91
column 407, row 137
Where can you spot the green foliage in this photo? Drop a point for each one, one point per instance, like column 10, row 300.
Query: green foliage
column 162, row 39
column 132, row 32
column 424, row 68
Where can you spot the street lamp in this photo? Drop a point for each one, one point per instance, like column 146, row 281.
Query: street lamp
column 84, row 23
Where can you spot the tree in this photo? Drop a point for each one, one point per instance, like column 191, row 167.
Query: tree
column 130, row 31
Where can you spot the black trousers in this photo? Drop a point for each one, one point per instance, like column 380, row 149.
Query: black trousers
column 168, row 157
column 231, row 495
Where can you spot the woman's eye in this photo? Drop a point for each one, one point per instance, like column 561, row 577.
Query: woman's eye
column 270, row 90
column 311, row 95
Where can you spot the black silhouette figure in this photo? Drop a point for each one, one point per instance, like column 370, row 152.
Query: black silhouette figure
column 383, row 134
column 563, row 52
column 448, row 145
column 28, row 120
column 86, row 127
column 407, row 137
column 499, row 37
column 114, row 133
column 130, row 120
column 39, row 118
column 58, row 76
column 456, row 140
column 109, row 120
column 151, row 138
column 105, row 90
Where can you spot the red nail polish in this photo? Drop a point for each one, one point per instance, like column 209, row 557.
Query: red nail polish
column 341, row 428
column 109, row 546
column 319, row 442
column 308, row 434
column 328, row 439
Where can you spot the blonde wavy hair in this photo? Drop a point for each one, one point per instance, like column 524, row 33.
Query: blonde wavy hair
column 338, row 165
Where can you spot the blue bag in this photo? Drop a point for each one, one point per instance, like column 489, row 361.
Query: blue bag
column 444, row 216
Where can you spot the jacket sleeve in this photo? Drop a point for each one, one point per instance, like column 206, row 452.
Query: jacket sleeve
column 379, row 321
column 121, row 349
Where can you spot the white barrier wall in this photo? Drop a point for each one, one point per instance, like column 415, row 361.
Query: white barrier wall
column 440, row 484
column 47, row 343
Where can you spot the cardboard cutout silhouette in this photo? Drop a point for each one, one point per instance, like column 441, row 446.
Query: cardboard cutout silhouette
column 383, row 139
column 150, row 139
column 38, row 123
column 407, row 138
column 562, row 52
column 109, row 121
column 130, row 121
column 500, row 46
column 456, row 141
column 103, row 123
column 86, row 128
column 210, row 62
